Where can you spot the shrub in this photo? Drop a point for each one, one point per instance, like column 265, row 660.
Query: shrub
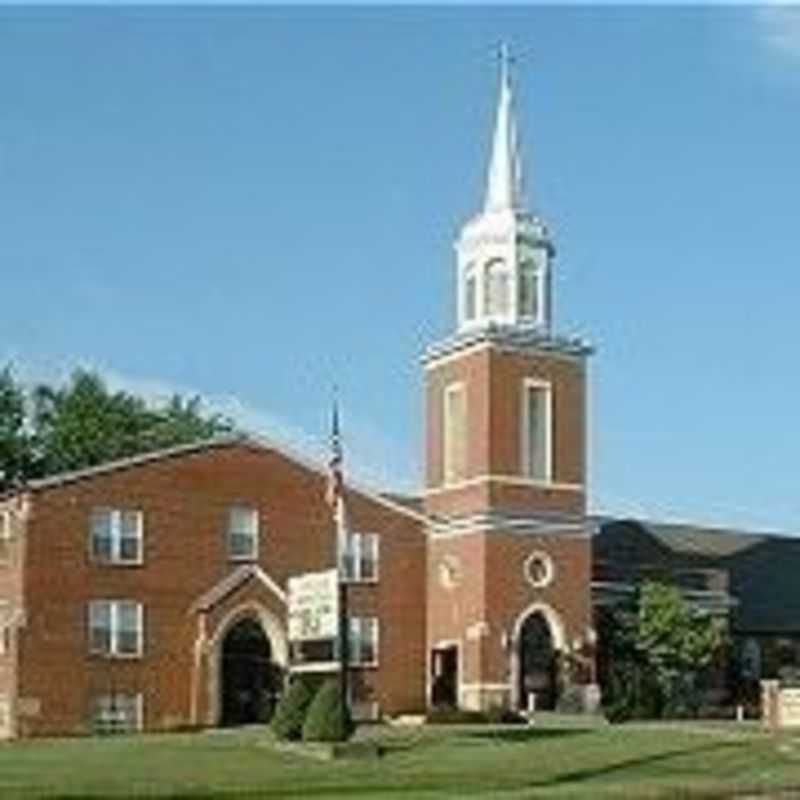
column 327, row 720
column 291, row 711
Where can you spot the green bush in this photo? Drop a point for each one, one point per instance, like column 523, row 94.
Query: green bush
column 326, row 720
column 291, row 711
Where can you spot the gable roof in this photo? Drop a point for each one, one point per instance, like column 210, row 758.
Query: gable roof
column 230, row 440
column 232, row 582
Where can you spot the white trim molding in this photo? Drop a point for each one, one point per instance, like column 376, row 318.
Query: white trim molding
column 273, row 630
column 511, row 480
column 553, row 620
column 231, row 582
column 530, row 385
column 454, row 442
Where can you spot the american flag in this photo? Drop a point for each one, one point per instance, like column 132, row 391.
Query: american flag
column 335, row 492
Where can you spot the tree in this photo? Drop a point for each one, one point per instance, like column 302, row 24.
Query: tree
column 15, row 444
column 676, row 640
column 656, row 644
column 82, row 423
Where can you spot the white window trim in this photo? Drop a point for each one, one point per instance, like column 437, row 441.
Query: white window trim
column 448, row 476
column 113, row 651
column 503, row 268
column 355, row 543
column 538, row 287
column 5, row 536
column 549, row 566
column 138, row 699
column 116, row 558
column 525, row 465
column 377, row 644
column 256, row 539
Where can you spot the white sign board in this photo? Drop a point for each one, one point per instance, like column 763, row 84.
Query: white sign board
column 314, row 606
column 789, row 700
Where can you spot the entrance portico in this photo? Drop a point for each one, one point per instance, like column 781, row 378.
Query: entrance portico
column 241, row 649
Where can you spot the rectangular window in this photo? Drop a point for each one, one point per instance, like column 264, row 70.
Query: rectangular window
column 455, row 432
column 5, row 537
column 364, row 641
column 117, row 713
column 116, row 628
column 537, row 430
column 361, row 557
column 243, row 533
column 117, row 536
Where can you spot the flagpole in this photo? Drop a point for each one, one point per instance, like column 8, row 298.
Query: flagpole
column 344, row 641
column 336, row 498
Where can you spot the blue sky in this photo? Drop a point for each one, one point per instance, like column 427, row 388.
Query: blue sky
column 254, row 203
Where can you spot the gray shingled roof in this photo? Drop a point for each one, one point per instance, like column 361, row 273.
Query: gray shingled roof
column 763, row 569
column 695, row 540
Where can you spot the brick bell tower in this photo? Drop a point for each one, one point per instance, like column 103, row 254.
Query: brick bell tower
column 509, row 585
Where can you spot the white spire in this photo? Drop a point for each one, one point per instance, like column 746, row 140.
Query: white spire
column 504, row 190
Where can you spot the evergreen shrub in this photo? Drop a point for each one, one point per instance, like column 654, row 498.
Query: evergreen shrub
column 291, row 710
column 326, row 720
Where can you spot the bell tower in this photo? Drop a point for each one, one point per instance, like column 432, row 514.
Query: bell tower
column 506, row 460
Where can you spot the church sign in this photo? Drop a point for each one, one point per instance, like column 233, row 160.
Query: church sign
column 780, row 705
column 314, row 606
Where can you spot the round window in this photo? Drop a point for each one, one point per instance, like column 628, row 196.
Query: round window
column 539, row 569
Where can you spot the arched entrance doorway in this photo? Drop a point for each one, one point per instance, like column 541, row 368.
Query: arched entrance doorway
column 538, row 665
column 250, row 680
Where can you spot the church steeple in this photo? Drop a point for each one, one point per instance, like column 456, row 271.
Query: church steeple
column 504, row 186
column 504, row 252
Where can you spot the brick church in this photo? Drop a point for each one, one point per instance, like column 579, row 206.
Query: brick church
column 151, row 593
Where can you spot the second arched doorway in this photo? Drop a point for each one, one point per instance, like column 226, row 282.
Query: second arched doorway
column 538, row 663
column 250, row 681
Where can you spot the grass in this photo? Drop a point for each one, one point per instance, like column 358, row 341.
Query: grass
column 649, row 761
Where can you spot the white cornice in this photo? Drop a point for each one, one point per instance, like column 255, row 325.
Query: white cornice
column 511, row 480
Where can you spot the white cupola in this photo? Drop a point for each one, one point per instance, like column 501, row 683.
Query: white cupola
column 504, row 253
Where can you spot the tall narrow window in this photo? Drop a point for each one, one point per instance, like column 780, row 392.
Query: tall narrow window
column 361, row 558
column 528, row 290
column 470, row 293
column 242, row 533
column 364, row 641
column 537, row 430
column 495, row 290
column 116, row 535
column 455, row 432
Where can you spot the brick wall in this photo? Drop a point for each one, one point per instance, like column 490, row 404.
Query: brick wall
column 185, row 500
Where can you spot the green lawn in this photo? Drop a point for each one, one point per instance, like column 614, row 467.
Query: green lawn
column 547, row 761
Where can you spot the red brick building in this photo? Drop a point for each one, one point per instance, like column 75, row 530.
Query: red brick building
column 151, row 593
column 136, row 582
